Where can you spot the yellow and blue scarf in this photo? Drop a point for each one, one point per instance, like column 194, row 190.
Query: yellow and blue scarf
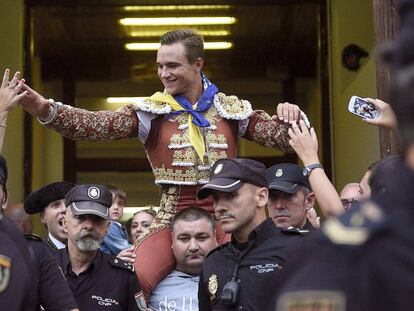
column 180, row 104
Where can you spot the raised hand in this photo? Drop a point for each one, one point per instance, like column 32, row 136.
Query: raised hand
column 10, row 94
column 386, row 117
column 287, row 113
column 34, row 103
column 304, row 142
column 127, row 254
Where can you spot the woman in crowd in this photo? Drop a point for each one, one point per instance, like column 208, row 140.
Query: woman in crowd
column 140, row 222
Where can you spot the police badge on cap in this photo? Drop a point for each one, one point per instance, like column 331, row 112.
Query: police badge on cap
column 93, row 192
column 218, row 168
column 90, row 199
column 230, row 174
column 286, row 177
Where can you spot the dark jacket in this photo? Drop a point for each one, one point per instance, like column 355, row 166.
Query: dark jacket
column 259, row 263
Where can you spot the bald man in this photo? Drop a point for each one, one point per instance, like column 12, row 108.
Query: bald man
column 349, row 194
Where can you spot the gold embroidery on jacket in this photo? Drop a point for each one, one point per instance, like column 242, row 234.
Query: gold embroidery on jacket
column 266, row 134
column 77, row 123
column 213, row 156
column 190, row 176
column 186, row 170
column 163, row 219
column 184, row 158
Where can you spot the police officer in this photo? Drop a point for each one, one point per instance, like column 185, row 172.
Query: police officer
column 49, row 201
column 18, row 277
column 364, row 260
column 54, row 292
column 98, row 281
column 240, row 275
column 290, row 197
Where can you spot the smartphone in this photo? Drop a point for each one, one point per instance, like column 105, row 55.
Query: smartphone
column 363, row 108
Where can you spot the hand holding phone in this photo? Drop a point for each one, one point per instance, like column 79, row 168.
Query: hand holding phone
column 363, row 108
column 386, row 116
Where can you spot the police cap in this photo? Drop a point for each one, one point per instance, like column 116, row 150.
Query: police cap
column 286, row 177
column 90, row 200
column 228, row 175
column 39, row 199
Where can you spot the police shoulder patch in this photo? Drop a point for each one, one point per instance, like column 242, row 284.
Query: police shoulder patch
column 356, row 226
column 119, row 263
column 317, row 300
column 5, row 269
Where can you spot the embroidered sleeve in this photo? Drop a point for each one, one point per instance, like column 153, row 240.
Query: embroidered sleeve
column 266, row 132
column 81, row 124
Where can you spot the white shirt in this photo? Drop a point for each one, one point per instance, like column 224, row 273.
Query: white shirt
column 57, row 243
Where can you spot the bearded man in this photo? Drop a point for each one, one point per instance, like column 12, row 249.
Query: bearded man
column 96, row 279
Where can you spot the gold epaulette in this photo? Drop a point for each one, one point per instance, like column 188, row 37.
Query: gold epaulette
column 147, row 106
column 355, row 227
column 231, row 107
column 153, row 106
column 228, row 107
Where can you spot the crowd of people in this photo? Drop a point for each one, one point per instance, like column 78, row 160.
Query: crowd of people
column 229, row 233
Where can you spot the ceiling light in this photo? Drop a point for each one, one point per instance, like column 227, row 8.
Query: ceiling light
column 159, row 21
column 136, row 8
column 152, row 46
column 221, row 45
column 160, row 32
column 147, row 46
column 124, row 100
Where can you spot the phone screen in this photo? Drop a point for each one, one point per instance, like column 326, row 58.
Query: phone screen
column 365, row 109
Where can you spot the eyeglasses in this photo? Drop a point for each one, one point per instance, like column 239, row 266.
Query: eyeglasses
column 348, row 203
